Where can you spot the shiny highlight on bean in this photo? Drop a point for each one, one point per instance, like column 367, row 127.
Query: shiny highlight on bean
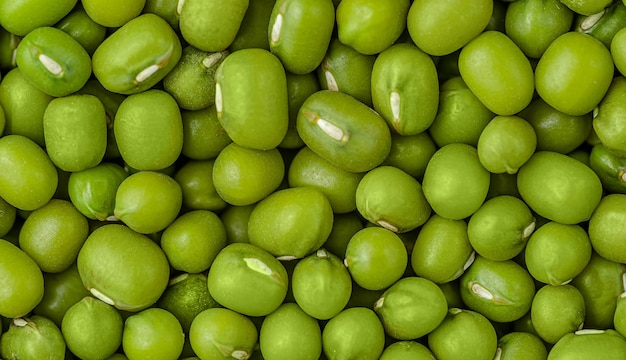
column 331, row 130
column 387, row 225
column 95, row 292
column 218, row 99
column 50, row 64
column 276, row 28
column 481, row 292
column 212, row 59
column 258, row 266
column 331, row 82
column 146, row 73
column 394, row 101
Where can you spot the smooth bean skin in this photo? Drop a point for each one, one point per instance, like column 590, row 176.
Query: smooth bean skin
column 35, row 337
column 612, row 133
column 452, row 293
column 211, row 25
column 83, row 29
column 148, row 130
column 167, row 9
column 16, row 92
column 253, row 32
column 506, row 90
column 586, row 7
column 109, row 270
column 463, row 334
column 193, row 240
column 455, row 183
column 53, row 235
column 407, row 350
column 411, row 308
column 203, row 135
column 8, row 215
column 148, row 201
column 21, row 17
column 411, row 153
column 371, row 26
column 102, row 11
column 525, row 325
column 354, row 333
column 574, row 73
column 557, row 311
column 461, row 117
column 23, row 282
column 344, row 227
column 500, row 290
column 391, row 198
column 376, row 258
column 618, row 50
column 300, row 335
column 299, row 88
column 539, row 188
column 235, row 220
column 321, row 285
column 59, row 70
column 148, row 44
column 442, row 250
column 519, row 345
column 292, row 222
column 300, row 32
column 609, row 167
column 92, row 191
column 196, row 182
column 405, row 88
column 344, row 131
column 500, row 229
column 506, row 143
column 152, row 333
column 251, row 98
column 606, row 228
column 247, row 279
column 244, row 176
column 555, row 130
column 111, row 102
column 440, row 28
column 347, row 70
column 221, row 333
column 605, row 344
column 62, row 290
column 601, row 284
column 75, row 132
column 339, row 185
column 556, row 253
column 28, row 170
column 92, row 329
column 534, row 24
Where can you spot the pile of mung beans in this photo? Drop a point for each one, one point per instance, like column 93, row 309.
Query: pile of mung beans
column 313, row 179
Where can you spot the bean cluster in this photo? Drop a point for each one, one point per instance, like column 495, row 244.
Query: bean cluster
column 328, row 179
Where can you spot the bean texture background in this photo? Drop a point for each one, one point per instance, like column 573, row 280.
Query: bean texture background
column 328, row 179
